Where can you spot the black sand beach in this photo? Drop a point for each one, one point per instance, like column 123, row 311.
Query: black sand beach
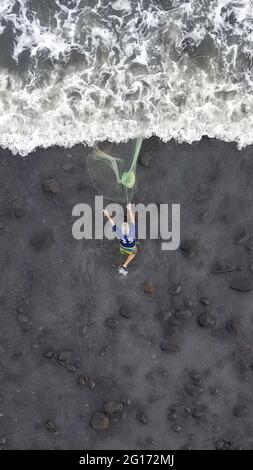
column 169, row 369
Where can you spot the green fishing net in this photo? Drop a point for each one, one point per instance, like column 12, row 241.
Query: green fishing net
column 112, row 169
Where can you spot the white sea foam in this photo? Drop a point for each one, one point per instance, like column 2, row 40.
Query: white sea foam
column 123, row 69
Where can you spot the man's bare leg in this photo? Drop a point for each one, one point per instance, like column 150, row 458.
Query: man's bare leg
column 128, row 260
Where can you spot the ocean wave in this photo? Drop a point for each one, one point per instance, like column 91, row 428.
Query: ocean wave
column 82, row 71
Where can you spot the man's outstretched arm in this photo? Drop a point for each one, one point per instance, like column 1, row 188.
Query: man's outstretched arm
column 109, row 218
column 130, row 213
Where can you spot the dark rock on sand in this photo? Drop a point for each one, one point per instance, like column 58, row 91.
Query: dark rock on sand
column 190, row 248
column 177, row 303
column 205, row 320
column 240, row 411
column 50, row 426
column 193, row 390
column 112, row 407
column 111, row 322
column 64, row 356
column 48, row 354
column 125, row 311
column 142, row 417
column 221, row 266
column 164, row 316
column 147, row 160
column 172, row 415
column 148, row 288
column 225, row 444
column 86, row 381
column 183, row 315
column 22, row 318
column 51, row 186
column 42, row 240
column 250, row 268
column 3, row 440
column 169, row 346
column 205, row 301
column 249, row 245
column 177, row 428
column 233, row 326
column 174, row 290
column 199, row 412
column 241, row 284
column 99, row 421
column 241, row 237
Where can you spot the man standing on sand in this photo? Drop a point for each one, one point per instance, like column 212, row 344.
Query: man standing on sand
column 126, row 235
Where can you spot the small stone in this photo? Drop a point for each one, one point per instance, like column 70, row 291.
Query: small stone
column 64, row 356
column 48, row 354
column 190, row 248
column 183, row 315
column 113, row 407
column 240, row 411
column 221, row 266
column 205, row 320
column 3, row 440
column 177, row 303
column 177, row 428
column 194, row 390
column 18, row 210
column 199, row 412
column 87, row 382
column 20, row 309
column 51, row 186
column 241, row 284
column 142, row 418
column 114, row 420
column 71, row 368
column 233, row 326
column 126, row 401
column 249, row 245
column 50, row 426
column 149, row 288
column 174, row 290
column 147, row 160
column 169, row 346
column 68, row 167
column 111, row 322
column 125, row 311
column 185, row 447
column 200, row 217
column 172, row 415
column 99, row 421
column 22, row 318
column 204, row 301
column 216, row 429
column 214, row 390
column 241, row 237
column 164, row 316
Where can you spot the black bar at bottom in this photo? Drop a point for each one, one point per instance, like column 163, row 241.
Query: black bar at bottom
column 111, row 459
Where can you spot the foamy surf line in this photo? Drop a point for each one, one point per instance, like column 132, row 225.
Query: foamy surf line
column 82, row 71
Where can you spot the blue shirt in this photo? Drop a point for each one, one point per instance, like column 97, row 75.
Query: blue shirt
column 126, row 241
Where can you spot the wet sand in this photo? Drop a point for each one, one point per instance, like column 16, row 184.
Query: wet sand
column 91, row 361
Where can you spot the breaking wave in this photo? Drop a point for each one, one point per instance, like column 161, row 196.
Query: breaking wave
column 82, row 71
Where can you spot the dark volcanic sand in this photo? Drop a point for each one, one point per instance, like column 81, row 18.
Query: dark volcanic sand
column 178, row 368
